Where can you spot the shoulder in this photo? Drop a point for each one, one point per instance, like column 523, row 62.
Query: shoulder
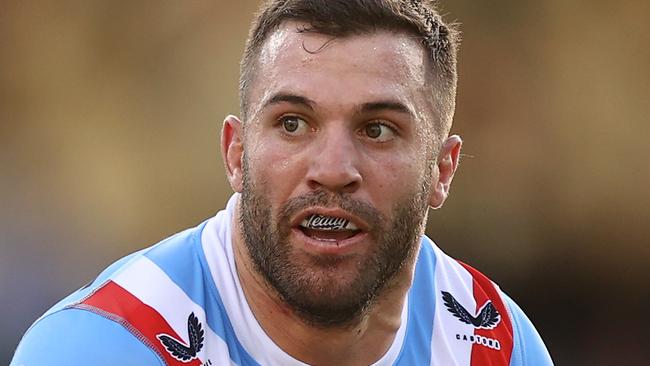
column 87, row 326
column 529, row 349
column 475, row 313
column 526, row 344
column 77, row 337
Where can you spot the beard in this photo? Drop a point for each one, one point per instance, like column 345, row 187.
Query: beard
column 329, row 290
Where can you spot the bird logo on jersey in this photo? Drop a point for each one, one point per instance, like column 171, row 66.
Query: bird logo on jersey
column 488, row 317
column 179, row 350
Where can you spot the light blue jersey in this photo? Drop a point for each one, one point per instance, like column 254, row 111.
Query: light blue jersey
column 180, row 302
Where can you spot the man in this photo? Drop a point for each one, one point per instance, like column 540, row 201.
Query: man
column 319, row 258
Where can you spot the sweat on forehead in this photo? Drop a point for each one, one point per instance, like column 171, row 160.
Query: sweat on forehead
column 312, row 44
column 356, row 67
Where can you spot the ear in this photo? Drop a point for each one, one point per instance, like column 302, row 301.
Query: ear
column 445, row 168
column 232, row 151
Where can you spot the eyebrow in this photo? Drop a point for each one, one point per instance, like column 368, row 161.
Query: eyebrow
column 363, row 108
column 386, row 105
column 290, row 98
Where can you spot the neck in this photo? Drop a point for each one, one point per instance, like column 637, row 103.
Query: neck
column 361, row 343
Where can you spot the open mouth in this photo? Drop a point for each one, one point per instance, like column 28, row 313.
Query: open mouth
column 328, row 228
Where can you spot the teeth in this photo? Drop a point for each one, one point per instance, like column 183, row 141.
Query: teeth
column 321, row 222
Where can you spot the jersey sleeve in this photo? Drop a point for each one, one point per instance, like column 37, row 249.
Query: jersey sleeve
column 80, row 337
column 529, row 349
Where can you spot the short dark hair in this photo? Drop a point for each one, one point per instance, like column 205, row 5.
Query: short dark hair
column 341, row 18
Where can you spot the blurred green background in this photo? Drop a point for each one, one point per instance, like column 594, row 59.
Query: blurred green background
column 109, row 126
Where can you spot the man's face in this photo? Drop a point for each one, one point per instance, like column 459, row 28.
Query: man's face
column 337, row 167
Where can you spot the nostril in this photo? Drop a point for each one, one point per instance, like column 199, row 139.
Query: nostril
column 313, row 185
column 342, row 182
column 351, row 187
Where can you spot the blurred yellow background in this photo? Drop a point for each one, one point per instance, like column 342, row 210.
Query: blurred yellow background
column 109, row 126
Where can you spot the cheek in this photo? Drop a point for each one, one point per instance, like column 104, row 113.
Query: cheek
column 272, row 163
column 395, row 174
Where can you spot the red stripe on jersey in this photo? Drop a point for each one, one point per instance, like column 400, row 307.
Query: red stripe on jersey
column 482, row 354
column 114, row 300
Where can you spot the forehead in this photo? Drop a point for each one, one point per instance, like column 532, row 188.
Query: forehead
column 353, row 69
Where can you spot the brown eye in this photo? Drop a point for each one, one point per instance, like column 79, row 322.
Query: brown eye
column 379, row 132
column 293, row 124
column 373, row 130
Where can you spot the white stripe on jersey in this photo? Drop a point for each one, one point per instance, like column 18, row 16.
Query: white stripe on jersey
column 451, row 277
column 217, row 246
column 138, row 279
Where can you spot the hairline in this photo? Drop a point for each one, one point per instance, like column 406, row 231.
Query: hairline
column 441, row 119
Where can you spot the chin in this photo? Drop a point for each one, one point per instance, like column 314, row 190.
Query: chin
column 330, row 290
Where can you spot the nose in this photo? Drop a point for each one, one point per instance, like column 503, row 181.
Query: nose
column 334, row 163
